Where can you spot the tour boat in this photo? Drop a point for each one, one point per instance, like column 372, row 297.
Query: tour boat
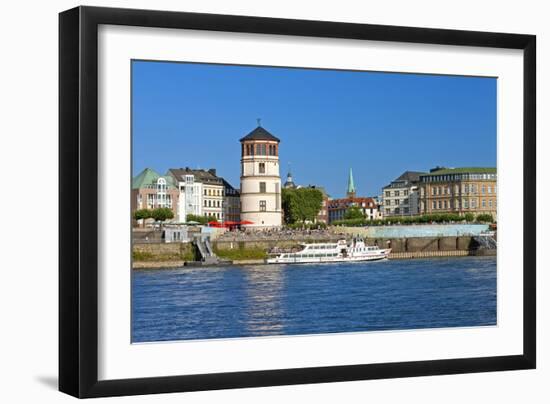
column 342, row 251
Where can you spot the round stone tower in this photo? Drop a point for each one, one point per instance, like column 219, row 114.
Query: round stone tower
column 260, row 179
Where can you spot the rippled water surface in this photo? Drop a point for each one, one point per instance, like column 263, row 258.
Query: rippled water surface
column 245, row 301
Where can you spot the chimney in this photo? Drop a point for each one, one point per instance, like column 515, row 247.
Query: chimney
column 212, row 171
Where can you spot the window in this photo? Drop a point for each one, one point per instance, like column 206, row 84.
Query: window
column 396, row 193
column 433, row 205
column 205, row 203
column 262, row 206
column 262, row 187
column 488, row 189
column 406, row 201
column 261, row 149
column 465, row 203
column 262, row 168
column 483, row 189
column 406, row 192
column 473, row 203
column 388, row 193
column 483, row 203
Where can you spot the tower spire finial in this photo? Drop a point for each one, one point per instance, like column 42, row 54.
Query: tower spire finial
column 259, row 121
column 351, row 185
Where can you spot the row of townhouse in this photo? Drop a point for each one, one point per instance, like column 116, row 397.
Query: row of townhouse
column 187, row 192
column 442, row 190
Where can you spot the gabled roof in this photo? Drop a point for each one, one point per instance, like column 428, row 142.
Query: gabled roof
column 149, row 177
column 259, row 134
column 344, row 203
column 203, row 176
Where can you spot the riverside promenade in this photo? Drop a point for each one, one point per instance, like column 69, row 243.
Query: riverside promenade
column 252, row 247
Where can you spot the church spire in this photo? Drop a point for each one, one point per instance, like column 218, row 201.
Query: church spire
column 351, row 185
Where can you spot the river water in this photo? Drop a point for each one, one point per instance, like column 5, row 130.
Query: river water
column 247, row 301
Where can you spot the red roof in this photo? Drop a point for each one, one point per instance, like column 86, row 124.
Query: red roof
column 344, row 203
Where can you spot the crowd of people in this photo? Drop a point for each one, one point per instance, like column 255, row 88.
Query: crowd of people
column 282, row 233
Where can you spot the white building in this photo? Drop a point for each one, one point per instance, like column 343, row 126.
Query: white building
column 400, row 197
column 201, row 193
column 260, row 179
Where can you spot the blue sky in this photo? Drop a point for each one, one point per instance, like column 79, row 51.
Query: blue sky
column 380, row 124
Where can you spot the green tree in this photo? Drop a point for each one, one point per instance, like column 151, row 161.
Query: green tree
column 301, row 204
column 142, row 214
column 200, row 219
column 485, row 217
column 469, row 217
column 353, row 212
column 162, row 214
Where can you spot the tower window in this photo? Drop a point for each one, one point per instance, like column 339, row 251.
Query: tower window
column 262, row 168
column 262, row 206
column 262, row 187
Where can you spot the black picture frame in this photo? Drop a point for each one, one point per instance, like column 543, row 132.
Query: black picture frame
column 78, row 196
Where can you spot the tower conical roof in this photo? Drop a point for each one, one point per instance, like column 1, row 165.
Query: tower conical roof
column 260, row 134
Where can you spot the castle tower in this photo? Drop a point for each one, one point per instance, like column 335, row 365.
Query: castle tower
column 351, row 185
column 260, row 180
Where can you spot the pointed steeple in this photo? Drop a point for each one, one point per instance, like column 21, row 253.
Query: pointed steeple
column 351, row 185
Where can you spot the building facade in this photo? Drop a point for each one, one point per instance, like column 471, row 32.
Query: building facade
column 400, row 197
column 459, row 190
column 203, row 193
column 260, row 193
column 337, row 208
column 151, row 190
column 231, row 203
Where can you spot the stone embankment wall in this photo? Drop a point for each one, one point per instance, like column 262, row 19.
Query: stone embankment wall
column 402, row 248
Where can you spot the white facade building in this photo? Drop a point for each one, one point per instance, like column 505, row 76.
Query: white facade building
column 201, row 193
column 260, row 179
column 400, row 197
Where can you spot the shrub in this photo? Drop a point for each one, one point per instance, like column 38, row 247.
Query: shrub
column 142, row 256
column 485, row 218
column 469, row 217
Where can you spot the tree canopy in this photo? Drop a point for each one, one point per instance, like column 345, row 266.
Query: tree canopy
column 301, row 204
column 353, row 212
column 162, row 214
column 143, row 214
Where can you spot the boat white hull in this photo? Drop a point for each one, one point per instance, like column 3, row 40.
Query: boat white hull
column 320, row 260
